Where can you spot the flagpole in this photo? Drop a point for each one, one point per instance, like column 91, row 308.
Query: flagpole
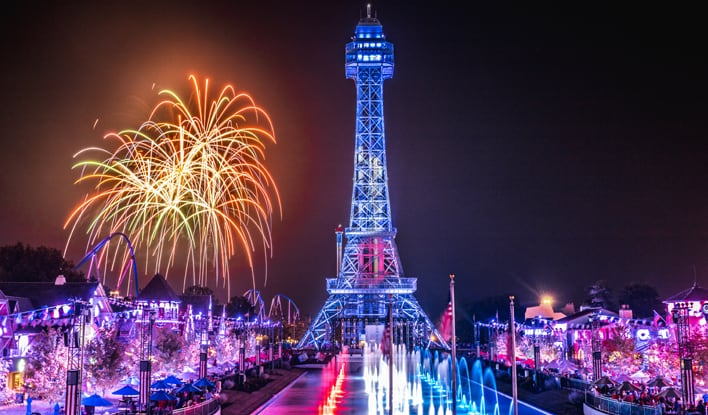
column 390, row 354
column 454, row 343
column 512, row 335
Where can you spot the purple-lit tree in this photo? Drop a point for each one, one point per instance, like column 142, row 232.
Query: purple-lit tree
column 619, row 350
column 225, row 347
column 169, row 351
column 46, row 364
column 105, row 361
column 6, row 394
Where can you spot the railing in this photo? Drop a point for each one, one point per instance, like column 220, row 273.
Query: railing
column 387, row 285
column 203, row 408
column 613, row 406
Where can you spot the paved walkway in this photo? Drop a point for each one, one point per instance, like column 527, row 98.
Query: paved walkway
column 246, row 403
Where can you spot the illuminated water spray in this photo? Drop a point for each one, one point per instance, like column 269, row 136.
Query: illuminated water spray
column 189, row 186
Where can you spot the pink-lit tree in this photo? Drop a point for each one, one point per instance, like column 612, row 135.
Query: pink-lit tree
column 46, row 364
column 105, row 362
column 168, row 352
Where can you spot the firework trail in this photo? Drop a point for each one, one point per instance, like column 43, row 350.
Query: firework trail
column 188, row 186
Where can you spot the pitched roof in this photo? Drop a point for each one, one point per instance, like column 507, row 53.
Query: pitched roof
column 582, row 318
column 694, row 293
column 543, row 310
column 47, row 294
column 158, row 289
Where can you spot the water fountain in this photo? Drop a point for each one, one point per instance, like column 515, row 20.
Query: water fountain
column 422, row 383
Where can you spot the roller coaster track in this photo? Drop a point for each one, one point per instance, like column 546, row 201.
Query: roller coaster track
column 92, row 253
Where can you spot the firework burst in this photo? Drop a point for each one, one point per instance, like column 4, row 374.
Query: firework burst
column 188, row 186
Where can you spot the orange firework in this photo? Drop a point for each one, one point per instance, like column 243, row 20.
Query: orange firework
column 189, row 185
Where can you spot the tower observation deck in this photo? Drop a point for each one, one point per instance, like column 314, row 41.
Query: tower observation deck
column 370, row 276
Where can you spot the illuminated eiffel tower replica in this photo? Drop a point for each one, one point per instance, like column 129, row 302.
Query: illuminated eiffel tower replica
column 370, row 278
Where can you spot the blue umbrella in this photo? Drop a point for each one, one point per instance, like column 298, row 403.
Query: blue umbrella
column 29, row 405
column 162, row 396
column 96, row 400
column 126, row 390
column 189, row 388
column 172, row 380
column 160, row 384
column 204, row 383
column 56, row 409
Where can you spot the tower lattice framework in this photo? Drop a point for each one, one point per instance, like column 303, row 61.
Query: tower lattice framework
column 370, row 275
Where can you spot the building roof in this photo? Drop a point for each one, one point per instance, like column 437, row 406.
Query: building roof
column 581, row 319
column 35, row 295
column 694, row 293
column 543, row 310
column 158, row 290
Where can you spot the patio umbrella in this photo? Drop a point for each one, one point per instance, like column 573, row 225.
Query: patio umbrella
column 172, row 380
column 567, row 366
column 622, row 377
column 670, row 392
column 204, row 383
column 189, row 388
column 639, row 376
column 162, row 396
column 56, row 408
column 628, row 387
column 29, row 405
column 659, row 382
column 160, row 384
column 126, row 390
column 132, row 381
column 604, row 381
column 96, row 400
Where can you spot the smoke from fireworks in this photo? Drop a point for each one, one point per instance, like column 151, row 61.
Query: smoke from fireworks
column 188, row 186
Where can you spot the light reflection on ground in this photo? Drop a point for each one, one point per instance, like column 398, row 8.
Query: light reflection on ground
column 359, row 385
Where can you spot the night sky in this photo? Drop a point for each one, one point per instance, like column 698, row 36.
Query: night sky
column 531, row 149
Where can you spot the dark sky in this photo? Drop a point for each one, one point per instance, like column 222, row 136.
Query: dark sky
column 533, row 148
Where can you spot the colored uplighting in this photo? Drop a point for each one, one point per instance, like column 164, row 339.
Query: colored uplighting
column 331, row 398
column 188, row 186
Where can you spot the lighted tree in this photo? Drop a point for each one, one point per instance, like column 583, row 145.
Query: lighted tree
column 131, row 352
column 618, row 349
column 190, row 356
column 46, row 364
column 105, row 363
column 168, row 351
column 225, row 347
column 662, row 359
column 6, row 394
column 699, row 344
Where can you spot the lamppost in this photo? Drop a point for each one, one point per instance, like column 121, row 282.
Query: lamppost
column 476, row 334
column 146, row 358
column 454, row 345
column 74, row 341
column 512, row 339
column 536, row 351
column 595, row 344
column 680, row 315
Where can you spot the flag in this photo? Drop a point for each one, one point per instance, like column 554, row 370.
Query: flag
column 658, row 319
column 445, row 327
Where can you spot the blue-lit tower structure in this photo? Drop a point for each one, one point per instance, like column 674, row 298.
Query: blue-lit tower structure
column 370, row 275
